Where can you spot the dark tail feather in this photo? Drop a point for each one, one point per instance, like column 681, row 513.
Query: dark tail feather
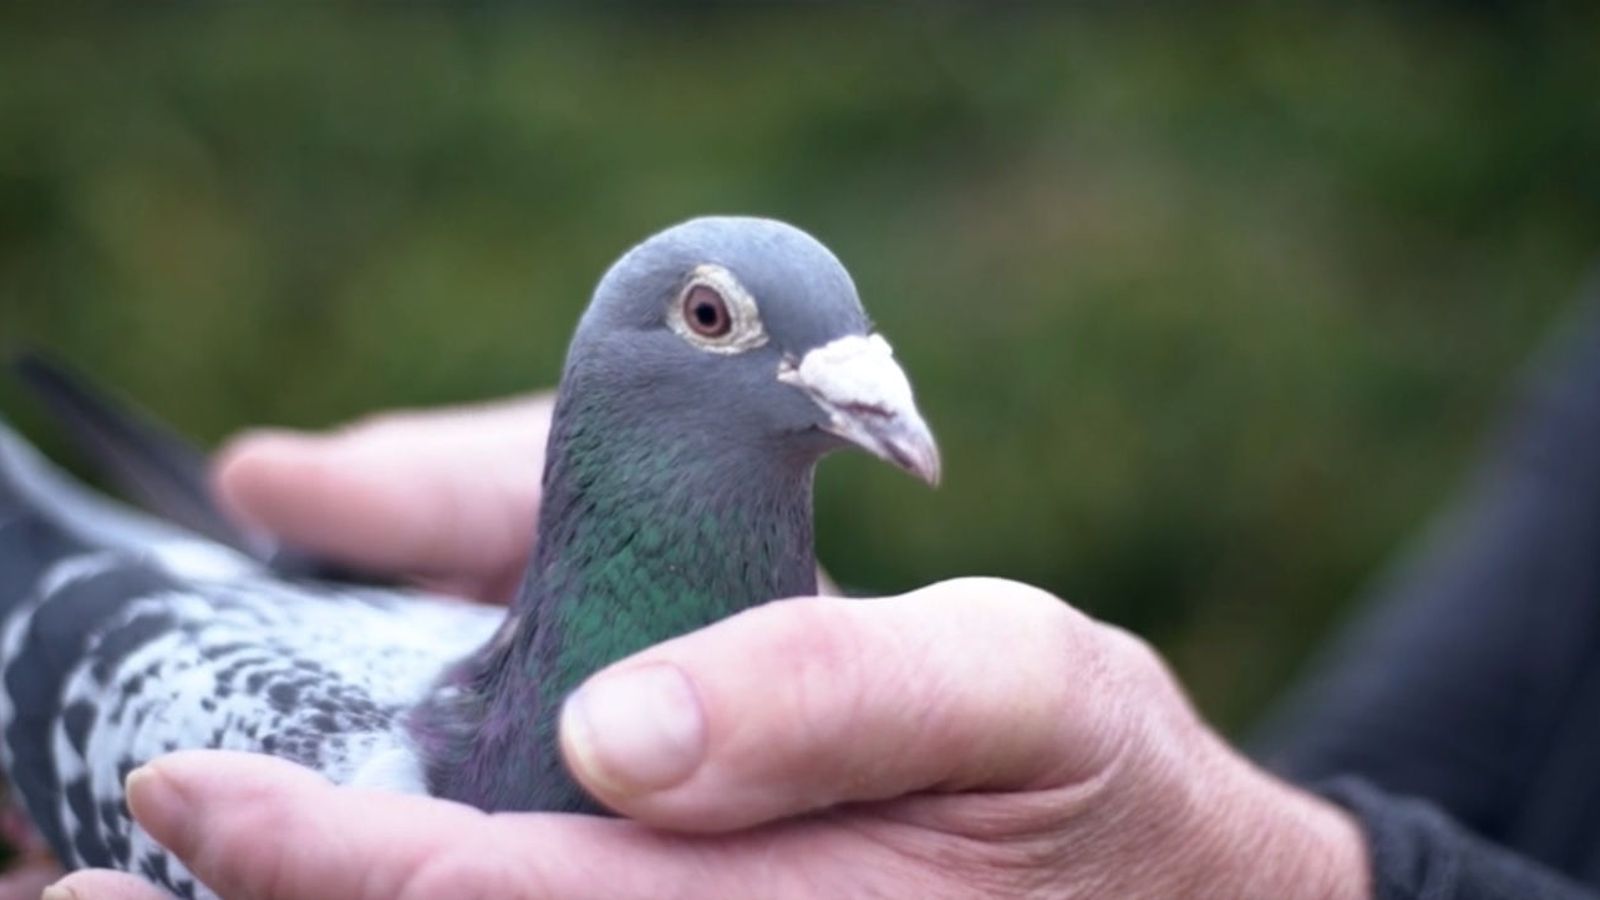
column 153, row 465
column 145, row 460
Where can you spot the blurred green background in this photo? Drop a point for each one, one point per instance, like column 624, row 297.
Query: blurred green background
column 1208, row 310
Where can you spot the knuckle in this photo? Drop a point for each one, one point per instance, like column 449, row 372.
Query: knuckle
column 1018, row 614
column 1050, row 640
column 997, row 592
column 1131, row 659
column 1052, row 635
column 1097, row 679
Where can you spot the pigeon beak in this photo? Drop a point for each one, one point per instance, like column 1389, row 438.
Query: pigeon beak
column 867, row 399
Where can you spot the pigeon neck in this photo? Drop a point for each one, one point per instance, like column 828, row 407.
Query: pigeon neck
column 643, row 536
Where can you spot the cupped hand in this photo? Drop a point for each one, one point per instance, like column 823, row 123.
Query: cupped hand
column 447, row 497
column 973, row 738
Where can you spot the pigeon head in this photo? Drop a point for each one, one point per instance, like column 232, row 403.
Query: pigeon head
column 716, row 363
column 746, row 333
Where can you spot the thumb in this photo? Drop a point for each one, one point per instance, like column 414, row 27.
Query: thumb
column 977, row 684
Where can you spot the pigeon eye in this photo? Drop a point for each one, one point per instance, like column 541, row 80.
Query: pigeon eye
column 715, row 313
column 705, row 312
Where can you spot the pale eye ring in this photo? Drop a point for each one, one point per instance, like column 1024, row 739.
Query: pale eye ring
column 705, row 312
column 715, row 312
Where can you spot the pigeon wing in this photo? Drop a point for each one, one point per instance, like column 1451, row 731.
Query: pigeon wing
column 120, row 659
column 123, row 638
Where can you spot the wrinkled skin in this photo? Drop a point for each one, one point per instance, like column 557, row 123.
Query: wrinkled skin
column 973, row 738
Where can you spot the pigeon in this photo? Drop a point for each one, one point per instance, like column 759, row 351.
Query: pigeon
column 717, row 362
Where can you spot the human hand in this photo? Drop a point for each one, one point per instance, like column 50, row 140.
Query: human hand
column 1052, row 754
column 973, row 738
column 446, row 497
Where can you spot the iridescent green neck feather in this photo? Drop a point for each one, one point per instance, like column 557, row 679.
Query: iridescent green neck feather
column 651, row 526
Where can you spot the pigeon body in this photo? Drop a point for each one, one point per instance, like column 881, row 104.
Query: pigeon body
column 123, row 639
column 717, row 362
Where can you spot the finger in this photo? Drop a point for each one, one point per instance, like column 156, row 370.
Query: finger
column 212, row 809
column 27, row 882
column 452, row 494
column 808, row 703
column 99, row 884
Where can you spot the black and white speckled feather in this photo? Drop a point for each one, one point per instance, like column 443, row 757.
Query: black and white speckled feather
column 123, row 638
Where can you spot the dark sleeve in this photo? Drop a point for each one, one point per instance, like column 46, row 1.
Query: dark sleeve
column 1419, row 853
column 1467, row 699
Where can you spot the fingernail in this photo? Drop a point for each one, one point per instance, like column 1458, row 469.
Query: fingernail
column 59, row 891
column 634, row 731
column 158, row 805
